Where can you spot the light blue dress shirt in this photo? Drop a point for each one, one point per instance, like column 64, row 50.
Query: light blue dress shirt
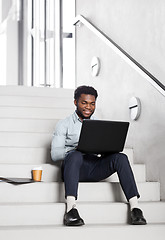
column 66, row 136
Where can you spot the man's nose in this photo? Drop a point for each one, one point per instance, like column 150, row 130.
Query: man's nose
column 88, row 106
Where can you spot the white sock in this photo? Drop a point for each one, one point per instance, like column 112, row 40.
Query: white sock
column 133, row 202
column 71, row 202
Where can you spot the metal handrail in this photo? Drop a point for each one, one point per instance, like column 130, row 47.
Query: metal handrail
column 123, row 54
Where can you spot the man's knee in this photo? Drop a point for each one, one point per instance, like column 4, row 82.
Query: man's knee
column 121, row 160
column 123, row 156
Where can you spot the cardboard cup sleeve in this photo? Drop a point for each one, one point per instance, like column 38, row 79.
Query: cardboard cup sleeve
column 37, row 174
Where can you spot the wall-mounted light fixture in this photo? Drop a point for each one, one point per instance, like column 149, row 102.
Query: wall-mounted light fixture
column 135, row 108
column 95, row 66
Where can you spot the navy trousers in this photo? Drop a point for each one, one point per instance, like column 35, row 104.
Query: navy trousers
column 78, row 167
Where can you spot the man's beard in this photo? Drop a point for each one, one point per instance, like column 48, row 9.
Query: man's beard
column 80, row 114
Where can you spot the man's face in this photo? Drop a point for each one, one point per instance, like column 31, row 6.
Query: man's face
column 85, row 106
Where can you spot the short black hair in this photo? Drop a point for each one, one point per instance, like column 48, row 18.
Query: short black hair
column 85, row 90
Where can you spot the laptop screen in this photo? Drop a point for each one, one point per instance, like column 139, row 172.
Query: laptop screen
column 100, row 136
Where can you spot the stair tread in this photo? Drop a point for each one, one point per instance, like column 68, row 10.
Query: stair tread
column 52, row 172
column 90, row 225
column 84, row 203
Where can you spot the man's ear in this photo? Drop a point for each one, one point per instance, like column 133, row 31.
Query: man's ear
column 75, row 102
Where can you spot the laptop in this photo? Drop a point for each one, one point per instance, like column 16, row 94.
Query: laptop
column 101, row 136
column 16, row 180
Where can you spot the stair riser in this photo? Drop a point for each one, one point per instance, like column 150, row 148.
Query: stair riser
column 35, row 113
column 37, row 102
column 129, row 153
column 54, row 192
column 25, row 139
column 35, row 91
column 52, row 214
column 31, row 155
column 28, row 125
column 20, row 155
column 151, row 232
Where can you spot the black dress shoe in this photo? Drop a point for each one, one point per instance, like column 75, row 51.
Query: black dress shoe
column 72, row 218
column 137, row 217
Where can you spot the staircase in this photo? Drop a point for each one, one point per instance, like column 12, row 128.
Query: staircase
column 35, row 210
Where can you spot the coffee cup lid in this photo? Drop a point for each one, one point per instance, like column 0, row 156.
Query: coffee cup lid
column 38, row 168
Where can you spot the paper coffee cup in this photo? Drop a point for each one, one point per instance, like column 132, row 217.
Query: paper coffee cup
column 37, row 174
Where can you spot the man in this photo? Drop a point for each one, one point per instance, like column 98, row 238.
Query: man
column 77, row 167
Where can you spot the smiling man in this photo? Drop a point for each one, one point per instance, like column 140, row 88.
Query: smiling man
column 77, row 167
column 85, row 106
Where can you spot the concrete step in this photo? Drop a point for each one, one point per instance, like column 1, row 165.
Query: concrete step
column 32, row 155
column 54, row 192
column 37, row 101
column 28, row 125
column 35, row 91
column 25, row 139
column 24, row 155
column 52, row 172
column 129, row 153
column 92, row 213
column 87, row 232
column 97, row 232
column 34, row 113
column 15, row 139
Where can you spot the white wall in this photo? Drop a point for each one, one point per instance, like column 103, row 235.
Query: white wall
column 137, row 26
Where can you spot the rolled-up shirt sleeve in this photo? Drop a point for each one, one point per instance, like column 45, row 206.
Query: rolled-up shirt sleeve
column 58, row 148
